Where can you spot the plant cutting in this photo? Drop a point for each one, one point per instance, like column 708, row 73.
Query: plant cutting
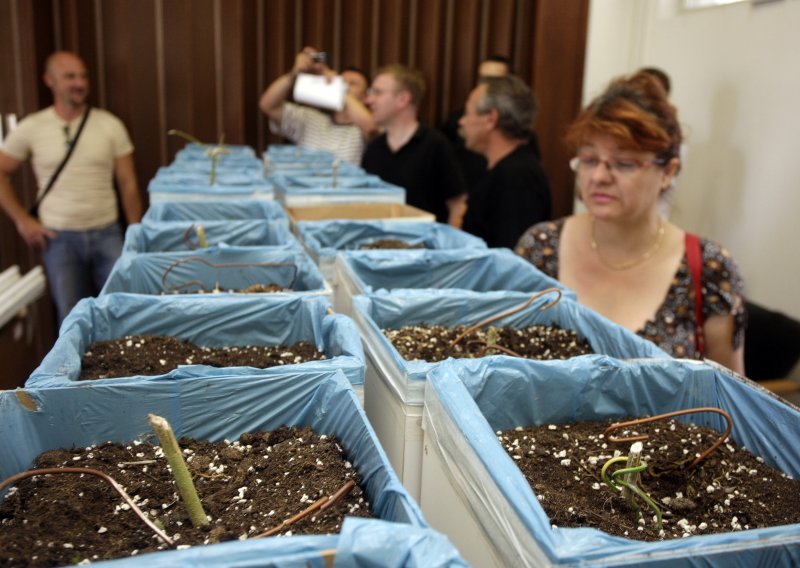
column 695, row 480
column 183, row 479
column 215, row 153
column 252, row 488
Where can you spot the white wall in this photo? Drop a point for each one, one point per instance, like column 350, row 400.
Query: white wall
column 735, row 71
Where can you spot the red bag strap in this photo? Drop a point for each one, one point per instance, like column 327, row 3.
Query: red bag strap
column 694, row 257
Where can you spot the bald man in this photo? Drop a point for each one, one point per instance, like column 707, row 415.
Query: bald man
column 77, row 229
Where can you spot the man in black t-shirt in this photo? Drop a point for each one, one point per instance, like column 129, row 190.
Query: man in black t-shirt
column 410, row 154
column 514, row 194
column 473, row 165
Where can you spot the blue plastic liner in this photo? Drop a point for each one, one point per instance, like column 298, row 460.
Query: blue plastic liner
column 291, row 153
column 200, row 151
column 461, row 307
column 36, row 420
column 174, row 236
column 295, row 191
column 467, row 401
column 361, row 542
column 216, row 211
column 478, row 270
column 202, row 270
column 229, row 320
column 324, row 239
column 187, row 185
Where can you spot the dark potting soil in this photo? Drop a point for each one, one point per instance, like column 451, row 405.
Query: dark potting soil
column 391, row 244
column 155, row 355
column 247, row 487
column 730, row 490
column 431, row 342
column 254, row 289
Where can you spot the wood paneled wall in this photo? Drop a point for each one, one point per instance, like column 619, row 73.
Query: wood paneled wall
column 200, row 65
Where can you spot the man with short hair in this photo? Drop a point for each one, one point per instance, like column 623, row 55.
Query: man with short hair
column 473, row 166
column 514, row 194
column 77, row 228
column 345, row 133
column 409, row 153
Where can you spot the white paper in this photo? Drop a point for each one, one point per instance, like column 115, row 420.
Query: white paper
column 319, row 91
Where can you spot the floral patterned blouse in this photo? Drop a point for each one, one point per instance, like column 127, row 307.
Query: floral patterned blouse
column 673, row 327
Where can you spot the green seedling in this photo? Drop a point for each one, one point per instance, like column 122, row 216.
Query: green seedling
column 183, row 479
column 626, row 480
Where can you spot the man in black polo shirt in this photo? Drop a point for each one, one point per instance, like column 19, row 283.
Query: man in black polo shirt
column 514, row 194
column 410, row 154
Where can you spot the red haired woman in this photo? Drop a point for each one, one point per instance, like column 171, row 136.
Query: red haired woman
column 621, row 257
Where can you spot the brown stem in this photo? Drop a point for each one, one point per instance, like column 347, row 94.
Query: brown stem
column 491, row 319
column 699, row 458
column 322, row 503
column 105, row 477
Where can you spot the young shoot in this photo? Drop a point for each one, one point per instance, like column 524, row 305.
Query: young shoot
column 200, row 231
column 626, row 480
column 183, row 479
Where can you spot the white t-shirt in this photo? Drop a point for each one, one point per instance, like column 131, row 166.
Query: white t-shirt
column 311, row 128
column 83, row 196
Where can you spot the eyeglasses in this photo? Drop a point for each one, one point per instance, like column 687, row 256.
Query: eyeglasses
column 619, row 166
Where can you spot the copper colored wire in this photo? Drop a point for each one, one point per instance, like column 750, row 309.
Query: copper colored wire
column 105, row 477
column 322, row 503
column 512, row 311
column 643, row 437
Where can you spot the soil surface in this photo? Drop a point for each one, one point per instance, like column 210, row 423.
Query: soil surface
column 432, row 343
column 391, row 244
column 730, row 490
column 247, row 487
column 155, row 355
column 253, row 289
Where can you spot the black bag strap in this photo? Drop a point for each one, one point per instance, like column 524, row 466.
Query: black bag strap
column 64, row 161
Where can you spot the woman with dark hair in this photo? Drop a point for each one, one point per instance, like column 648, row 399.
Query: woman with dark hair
column 621, row 257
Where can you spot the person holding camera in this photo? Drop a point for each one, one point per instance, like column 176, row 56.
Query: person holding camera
column 77, row 152
column 344, row 132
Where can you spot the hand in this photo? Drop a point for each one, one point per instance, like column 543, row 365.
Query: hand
column 34, row 233
column 303, row 63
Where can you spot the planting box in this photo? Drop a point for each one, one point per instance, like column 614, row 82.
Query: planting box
column 182, row 185
column 194, row 151
column 301, row 190
column 36, row 420
column 359, row 211
column 172, row 236
column 323, row 239
column 394, row 387
column 238, row 210
column 362, row 272
column 216, row 268
column 229, row 320
column 473, row 492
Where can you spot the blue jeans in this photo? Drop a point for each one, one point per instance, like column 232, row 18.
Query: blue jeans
column 78, row 264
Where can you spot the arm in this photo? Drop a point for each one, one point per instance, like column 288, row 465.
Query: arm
column 456, row 209
column 360, row 115
column 28, row 227
column 271, row 101
column 125, row 175
column 719, row 332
